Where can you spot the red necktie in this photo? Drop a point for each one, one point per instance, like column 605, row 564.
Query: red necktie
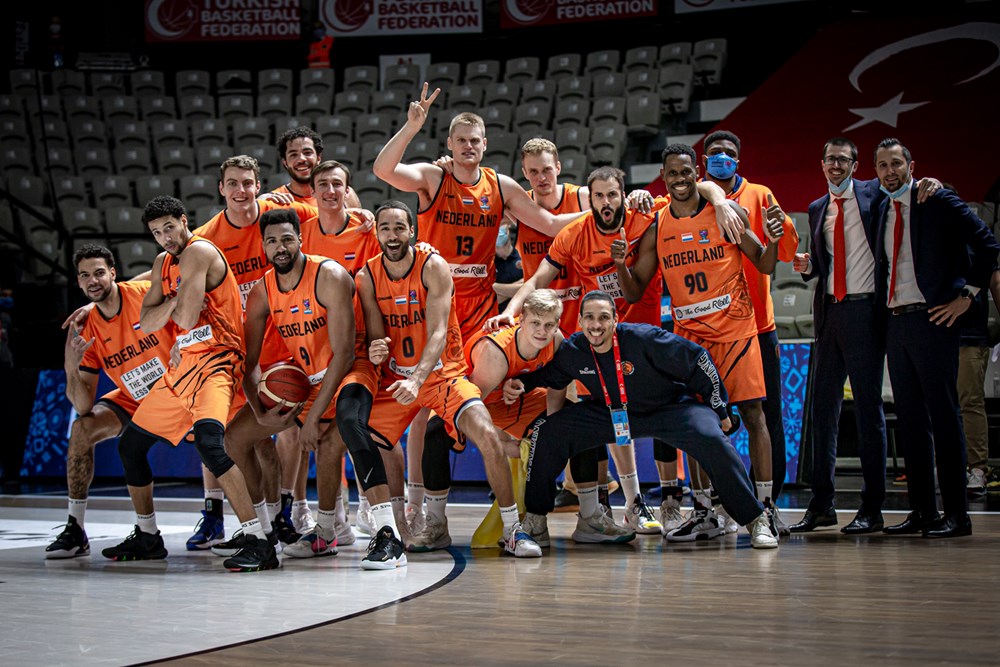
column 897, row 241
column 839, row 253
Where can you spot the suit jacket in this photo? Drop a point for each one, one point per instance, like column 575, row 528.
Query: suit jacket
column 951, row 246
column 868, row 195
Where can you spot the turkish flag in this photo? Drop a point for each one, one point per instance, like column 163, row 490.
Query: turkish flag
column 931, row 84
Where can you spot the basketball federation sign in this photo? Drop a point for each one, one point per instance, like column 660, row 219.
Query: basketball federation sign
column 363, row 18
column 204, row 20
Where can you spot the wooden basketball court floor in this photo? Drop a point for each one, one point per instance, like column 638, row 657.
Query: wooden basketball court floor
column 820, row 599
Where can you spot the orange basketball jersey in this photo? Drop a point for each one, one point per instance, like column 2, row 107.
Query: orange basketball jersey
column 133, row 359
column 351, row 248
column 462, row 223
column 704, row 275
column 587, row 251
column 533, row 246
column 308, row 200
column 506, row 341
column 403, row 304
column 220, row 323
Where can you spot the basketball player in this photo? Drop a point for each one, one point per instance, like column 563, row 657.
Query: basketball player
column 107, row 340
column 411, row 320
column 300, row 149
column 195, row 303
column 705, row 276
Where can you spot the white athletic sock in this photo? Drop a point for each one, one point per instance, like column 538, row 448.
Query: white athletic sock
column 339, row 509
column 764, row 490
column 147, row 523
column 588, row 501
column 77, row 508
column 273, row 510
column 262, row 513
column 217, row 494
column 415, row 496
column 382, row 513
column 253, row 527
column 509, row 517
column 630, row 487
column 287, row 492
column 436, row 502
column 327, row 519
column 299, row 505
column 398, row 504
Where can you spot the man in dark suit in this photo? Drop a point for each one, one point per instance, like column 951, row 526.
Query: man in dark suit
column 850, row 342
column 935, row 256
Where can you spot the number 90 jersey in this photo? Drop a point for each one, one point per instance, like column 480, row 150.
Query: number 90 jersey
column 462, row 223
column 403, row 304
column 704, row 275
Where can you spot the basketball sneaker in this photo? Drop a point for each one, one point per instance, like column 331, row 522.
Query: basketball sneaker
column 345, row 535
column 385, row 552
column 640, row 518
column 726, row 522
column 365, row 522
column 232, row 546
column 138, row 546
column 415, row 520
column 566, row 501
column 255, row 556
column 761, row 535
column 434, row 536
column 283, row 528
column 976, row 482
column 781, row 528
column 70, row 543
column 518, row 543
column 317, row 542
column 703, row 525
column 302, row 519
column 210, row 531
column 670, row 515
column 600, row 529
column 537, row 526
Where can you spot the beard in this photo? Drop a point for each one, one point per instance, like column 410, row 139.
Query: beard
column 285, row 268
column 105, row 293
column 616, row 219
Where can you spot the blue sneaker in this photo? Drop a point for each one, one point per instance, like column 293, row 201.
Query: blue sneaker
column 210, row 531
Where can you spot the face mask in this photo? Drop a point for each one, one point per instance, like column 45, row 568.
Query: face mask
column 503, row 237
column 839, row 189
column 721, row 166
column 898, row 193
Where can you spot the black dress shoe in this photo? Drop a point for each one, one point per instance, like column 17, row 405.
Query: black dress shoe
column 864, row 523
column 950, row 526
column 814, row 520
column 915, row 523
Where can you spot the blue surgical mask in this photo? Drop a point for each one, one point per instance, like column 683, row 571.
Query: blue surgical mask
column 721, row 166
column 839, row 189
column 503, row 237
column 898, row 193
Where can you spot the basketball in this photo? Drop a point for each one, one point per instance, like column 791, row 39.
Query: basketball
column 283, row 384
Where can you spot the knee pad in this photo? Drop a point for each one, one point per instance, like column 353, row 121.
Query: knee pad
column 208, row 440
column 436, row 463
column 133, row 449
column 354, row 406
column 664, row 452
column 584, row 465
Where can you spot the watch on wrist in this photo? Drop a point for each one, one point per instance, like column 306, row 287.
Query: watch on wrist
column 965, row 293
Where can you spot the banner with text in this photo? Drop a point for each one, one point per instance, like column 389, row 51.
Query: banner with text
column 523, row 13
column 364, row 18
column 211, row 20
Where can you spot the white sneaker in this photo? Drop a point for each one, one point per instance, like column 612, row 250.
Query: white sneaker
column 600, row 529
column 761, row 536
column 976, row 481
column 703, row 525
column 537, row 526
column 302, row 519
column 345, row 535
column 519, row 543
column 434, row 536
column 726, row 522
column 317, row 542
column 365, row 522
column 415, row 520
column 670, row 515
column 640, row 518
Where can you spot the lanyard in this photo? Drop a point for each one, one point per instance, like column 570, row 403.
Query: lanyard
column 618, row 369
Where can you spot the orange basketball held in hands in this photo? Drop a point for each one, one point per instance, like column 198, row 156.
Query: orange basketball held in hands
column 283, row 384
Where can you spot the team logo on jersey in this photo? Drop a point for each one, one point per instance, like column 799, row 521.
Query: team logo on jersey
column 703, row 236
column 136, row 327
column 293, row 309
column 687, row 237
column 400, row 300
column 484, row 203
column 468, row 201
column 413, row 296
column 627, row 368
column 307, row 307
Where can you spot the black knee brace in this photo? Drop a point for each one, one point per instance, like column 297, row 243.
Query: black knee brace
column 436, row 462
column 208, row 440
column 583, row 466
column 133, row 448
column 663, row 452
column 354, row 406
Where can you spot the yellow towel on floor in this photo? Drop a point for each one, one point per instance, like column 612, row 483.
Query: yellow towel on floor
column 491, row 529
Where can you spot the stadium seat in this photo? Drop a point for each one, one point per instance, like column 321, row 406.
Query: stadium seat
column 370, row 151
column 641, row 57
column 106, row 84
column 274, row 181
column 642, row 114
column 801, row 221
column 572, row 137
column 171, row 132
column 608, row 84
column 147, row 83
column 82, row 220
column 251, row 130
column 69, row 191
column 12, row 107
column 642, row 81
column 482, row 72
column 25, row 82
column 232, row 107
column 136, row 256
column 678, row 53
column 46, row 242
column 30, row 189
column 209, row 131
column 14, row 132
column 443, row 75
column 708, row 57
column 335, row 128
column 532, row 116
column 601, row 62
column 676, row 84
column 68, row 82
column 496, row 118
column 369, row 187
column 347, row 152
column 198, row 190
column 523, row 70
column 92, row 161
column 265, row 154
column 404, row 77
column 157, row 108
column 574, row 167
column 607, row 144
column 112, row 190
column 208, row 157
column 394, row 102
column 571, row 112
column 541, row 90
column 51, row 132
column 133, row 161
column 351, row 103
column 374, row 127
column 574, row 87
column 284, row 123
column 192, row 82
column 317, row 80
column 82, row 107
column 786, row 276
column 273, row 106
column 790, row 303
column 424, row 149
column 57, row 161
column 502, row 93
column 175, row 161
column 505, row 142
column 562, row 65
column 275, row 81
column 124, row 220
column 16, row 160
column 197, row 107
column 233, row 82
column 465, row 98
column 608, row 110
column 88, row 133
column 154, row 185
column 130, row 133
column 361, row 78
column 202, row 215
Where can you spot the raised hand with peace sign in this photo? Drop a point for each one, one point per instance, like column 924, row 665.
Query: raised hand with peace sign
column 417, row 112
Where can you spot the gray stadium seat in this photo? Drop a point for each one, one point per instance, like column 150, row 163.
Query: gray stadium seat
column 192, row 82
column 678, row 53
column 133, row 161
column 275, row 81
column 273, row 106
column 563, row 65
column 404, row 77
column 522, row 70
column 482, row 72
column 351, row 103
column 335, row 128
column 443, row 75
column 119, row 108
column 172, row 132
column 197, row 107
column 790, row 303
column 232, row 107
column 317, row 80
column 124, row 220
column 708, row 58
column 465, row 98
column 112, row 191
column 640, row 58
column 154, row 185
column 147, row 83
column 600, row 62
column 106, row 84
column 362, row 78
column 209, row 131
column 251, row 130
column 502, row 93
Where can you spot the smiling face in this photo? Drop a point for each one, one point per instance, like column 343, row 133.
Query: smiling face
column 95, row 278
column 172, row 234
column 299, row 159
column 598, row 319
column 282, row 246
column 606, row 203
column 330, row 189
column 892, row 168
column 680, row 176
column 394, row 231
column 538, row 329
column 240, row 187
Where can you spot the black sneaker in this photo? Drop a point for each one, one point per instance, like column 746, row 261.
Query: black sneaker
column 72, row 542
column 138, row 546
column 232, row 546
column 385, row 551
column 566, row 501
column 256, row 556
column 282, row 527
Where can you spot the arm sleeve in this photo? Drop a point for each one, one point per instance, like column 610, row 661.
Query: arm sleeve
column 689, row 363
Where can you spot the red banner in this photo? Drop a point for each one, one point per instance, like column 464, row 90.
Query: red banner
column 530, row 13
column 368, row 18
column 214, row 20
column 931, row 84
